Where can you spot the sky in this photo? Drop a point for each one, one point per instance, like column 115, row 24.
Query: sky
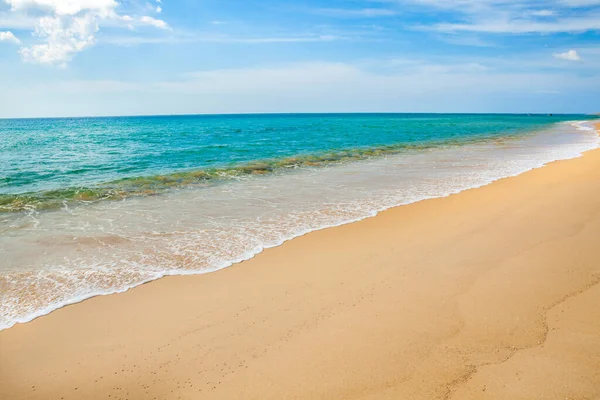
column 136, row 57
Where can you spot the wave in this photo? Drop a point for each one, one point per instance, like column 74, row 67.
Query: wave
column 154, row 185
column 159, row 248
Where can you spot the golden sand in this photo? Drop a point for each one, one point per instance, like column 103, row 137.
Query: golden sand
column 489, row 294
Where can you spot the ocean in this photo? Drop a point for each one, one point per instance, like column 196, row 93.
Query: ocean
column 92, row 206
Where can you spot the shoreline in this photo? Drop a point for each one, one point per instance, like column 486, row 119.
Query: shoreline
column 50, row 199
column 579, row 125
column 431, row 297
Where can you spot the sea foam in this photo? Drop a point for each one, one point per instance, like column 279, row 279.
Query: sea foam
column 84, row 250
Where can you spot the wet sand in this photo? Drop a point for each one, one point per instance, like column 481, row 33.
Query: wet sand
column 492, row 293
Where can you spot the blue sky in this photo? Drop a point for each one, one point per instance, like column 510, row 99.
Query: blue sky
column 102, row 57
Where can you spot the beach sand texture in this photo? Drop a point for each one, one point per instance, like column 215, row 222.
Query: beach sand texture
column 492, row 293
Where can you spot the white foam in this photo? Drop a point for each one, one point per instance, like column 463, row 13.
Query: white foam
column 583, row 126
column 69, row 256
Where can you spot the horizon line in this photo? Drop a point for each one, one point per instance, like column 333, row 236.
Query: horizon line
column 299, row 113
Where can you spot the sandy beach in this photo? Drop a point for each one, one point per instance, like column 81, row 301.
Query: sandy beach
column 491, row 293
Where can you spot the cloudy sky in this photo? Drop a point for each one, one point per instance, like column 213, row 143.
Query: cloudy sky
column 107, row 57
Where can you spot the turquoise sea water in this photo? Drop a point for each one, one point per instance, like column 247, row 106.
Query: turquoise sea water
column 92, row 206
column 44, row 162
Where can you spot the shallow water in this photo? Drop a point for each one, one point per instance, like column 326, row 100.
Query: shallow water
column 47, row 162
column 88, row 247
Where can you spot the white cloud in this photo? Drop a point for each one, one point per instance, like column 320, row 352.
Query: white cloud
column 63, row 38
column 471, row 6
column 511, row 16
column 406, row 78
column 318, row 87
column 158, row 23
column 66, row 27
column 13, row 20
column 543, row 13
column 571, row 55
column 158, row 9
column 524, row 26
column 9, row 37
